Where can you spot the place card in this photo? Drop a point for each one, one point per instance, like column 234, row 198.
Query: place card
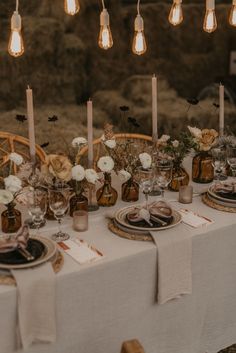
column 80, row 251
column 193, row 219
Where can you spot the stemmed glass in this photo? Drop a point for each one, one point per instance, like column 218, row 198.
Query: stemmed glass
column 218, row 162
column 231, row 159
column 59, row 202
column 145, row 180
column 163, row 174
column 37, row 207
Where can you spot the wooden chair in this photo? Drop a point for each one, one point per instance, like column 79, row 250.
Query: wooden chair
column 132, row 346
column 13, row 143
column 99, row 150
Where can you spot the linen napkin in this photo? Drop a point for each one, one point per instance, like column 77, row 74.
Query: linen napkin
column 36, row 305
column 174, row 253
column 20, row 240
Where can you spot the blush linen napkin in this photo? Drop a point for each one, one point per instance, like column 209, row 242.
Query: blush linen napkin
column 174, row 256
column 36, row 305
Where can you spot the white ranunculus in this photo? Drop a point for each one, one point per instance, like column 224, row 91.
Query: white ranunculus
column 5, row 197
column 91, row 175
column 146, row 160
column 110, row 143
column 78, row 173
column 195, row 132
column 124, row 175
column 78, row 141
column 13, row 184
column 175, row 143
column 106, row 164
column 16, row 158
column 163, row 139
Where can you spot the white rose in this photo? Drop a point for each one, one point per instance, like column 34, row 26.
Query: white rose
column 78, row 173
column 110, row 143
column 91, row 175
column 16, row 158
column 195, row 132
column 124, row 175
column 12, row 184
column 146, row 160
column 164, row 139
column 78, row 141
column 5, row 197
column 105, row 164
column 175, row 143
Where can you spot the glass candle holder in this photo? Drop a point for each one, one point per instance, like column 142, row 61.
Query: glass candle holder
column 186, row 194
column 80, row 221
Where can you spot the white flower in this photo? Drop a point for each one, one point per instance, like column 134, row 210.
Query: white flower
column 163, row 139
column 109, row 143
column 5, row 197
column 78, row 141
column 78, row 173
column 13, row 184
column 124, row 175
column 146, row 160
column 105, row 164
column 195, row 132
column 175, row 143
column 16, row 158
column 91, row 175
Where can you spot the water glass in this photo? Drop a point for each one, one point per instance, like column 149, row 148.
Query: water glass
column 145, row 180
column 218, row 162
column 37, row 206
column 231, row 159
column 59, row 202
column 163, row 174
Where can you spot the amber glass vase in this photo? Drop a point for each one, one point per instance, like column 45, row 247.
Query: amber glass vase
column 78, row 201
column 107, row 195
column 130, row 191
column 202, row 168
column 11, row 219
column 179, row 177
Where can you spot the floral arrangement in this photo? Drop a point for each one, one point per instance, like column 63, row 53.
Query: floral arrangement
column 227, row 140
column 203, row 140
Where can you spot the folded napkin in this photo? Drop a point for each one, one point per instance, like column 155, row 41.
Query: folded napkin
column 156, row 211
column 174, row 252
column 228, row 187
column 36, row 305
column 19, row 240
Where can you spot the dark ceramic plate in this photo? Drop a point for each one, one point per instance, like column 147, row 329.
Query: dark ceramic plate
column 143, row 224
column 35, row 248
column 227, row 195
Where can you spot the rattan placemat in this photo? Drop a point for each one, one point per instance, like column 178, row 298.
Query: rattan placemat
column 121, row 233
column 57, row 265
column 216, row 206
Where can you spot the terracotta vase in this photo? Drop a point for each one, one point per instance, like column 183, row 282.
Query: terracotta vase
column 202, row 168
column 106, row 195
column 179, row 177
column 130, row 191
column 11, row 219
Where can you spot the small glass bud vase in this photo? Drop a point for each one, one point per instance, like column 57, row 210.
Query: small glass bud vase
column 107, row 195
column 179, row 177
column 202, row 168
column 130, row 191
column 11, row 219
column 78, row 202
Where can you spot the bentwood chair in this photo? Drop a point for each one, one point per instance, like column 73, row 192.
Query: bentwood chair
column 133, row 346
column 142, row 141
column 13, row 143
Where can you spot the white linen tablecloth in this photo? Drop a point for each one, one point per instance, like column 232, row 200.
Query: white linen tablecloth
column 102, row 304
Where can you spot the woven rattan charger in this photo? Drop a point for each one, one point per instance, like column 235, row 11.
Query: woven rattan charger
column 216, row 206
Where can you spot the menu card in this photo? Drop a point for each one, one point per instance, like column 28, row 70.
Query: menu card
column 80, row 251
column 193, row 219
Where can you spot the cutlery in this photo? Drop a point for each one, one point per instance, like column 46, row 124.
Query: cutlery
column 26, row 254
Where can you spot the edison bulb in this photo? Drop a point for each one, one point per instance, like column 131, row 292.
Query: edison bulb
column 232, row 15
column 16, row 44
column 139, row 46
column 210, row 23
column 72, row 7
column 176, row 13
column 105, row 40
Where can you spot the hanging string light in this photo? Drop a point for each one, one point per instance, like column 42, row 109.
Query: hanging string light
column 105, row 40
column 232, row 15
column 210, row 23
column 71, row 7
column 16, row 45
column 176, row 13
column 139, row 46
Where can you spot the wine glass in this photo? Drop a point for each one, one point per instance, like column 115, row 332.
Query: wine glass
column 145, row 180
column 59, row 202
column 163, row 174
column 218, row 162
column 231, row 159
column 37, row 207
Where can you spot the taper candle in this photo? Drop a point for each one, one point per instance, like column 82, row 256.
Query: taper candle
column 30, row 117
column 154, row 109
column 222, row 109
column 90, row 132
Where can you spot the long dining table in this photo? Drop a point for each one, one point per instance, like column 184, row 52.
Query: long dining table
column 101, row 304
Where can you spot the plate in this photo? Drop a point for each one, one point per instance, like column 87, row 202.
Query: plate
column 120, row 217
column 130, row 231
column 49, row 250
column 222, row 202
column 220, row 196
